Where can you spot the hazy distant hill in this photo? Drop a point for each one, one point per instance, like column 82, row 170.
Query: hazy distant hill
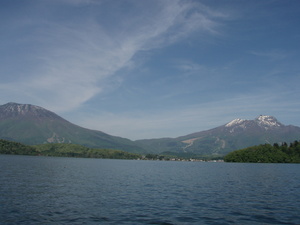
column 234, row 135
column 31, row 124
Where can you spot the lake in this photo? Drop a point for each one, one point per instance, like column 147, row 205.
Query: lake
column 50, row 190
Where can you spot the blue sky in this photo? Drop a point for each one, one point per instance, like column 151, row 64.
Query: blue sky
column 147, row 68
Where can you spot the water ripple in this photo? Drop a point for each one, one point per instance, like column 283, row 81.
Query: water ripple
column 41, row 190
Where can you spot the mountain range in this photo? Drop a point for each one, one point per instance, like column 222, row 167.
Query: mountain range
column 32, row 125
column 237, row 134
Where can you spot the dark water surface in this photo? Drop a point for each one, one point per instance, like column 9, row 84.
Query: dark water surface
column 48, row 190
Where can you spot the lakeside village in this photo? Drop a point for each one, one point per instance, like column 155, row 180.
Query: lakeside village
column 173, row 158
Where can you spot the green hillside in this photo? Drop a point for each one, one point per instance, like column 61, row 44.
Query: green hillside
column 73, row 150
column 267, row 154
column 15, row 148
column 65, row 150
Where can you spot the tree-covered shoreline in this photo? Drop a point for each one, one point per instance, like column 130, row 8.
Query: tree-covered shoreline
column 267, row 153
column 16, row 148
column 62, row 150
column 79, row 151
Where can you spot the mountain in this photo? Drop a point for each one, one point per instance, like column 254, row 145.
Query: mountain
column 237, row 134
column 32, row 125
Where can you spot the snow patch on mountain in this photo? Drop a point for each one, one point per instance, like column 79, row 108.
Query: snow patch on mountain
column 267, row 121
column 21, row 108
column 14, row 110
column 234, row 122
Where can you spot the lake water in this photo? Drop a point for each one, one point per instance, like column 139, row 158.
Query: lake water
column 49, row 190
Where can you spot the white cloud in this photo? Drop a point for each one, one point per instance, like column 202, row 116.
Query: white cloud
column 189, row 67
column 272, row 55
column 74, row 60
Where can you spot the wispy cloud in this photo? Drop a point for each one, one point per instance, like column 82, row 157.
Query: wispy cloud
column 272, row 55
column 189, row 67
column 75, row 59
